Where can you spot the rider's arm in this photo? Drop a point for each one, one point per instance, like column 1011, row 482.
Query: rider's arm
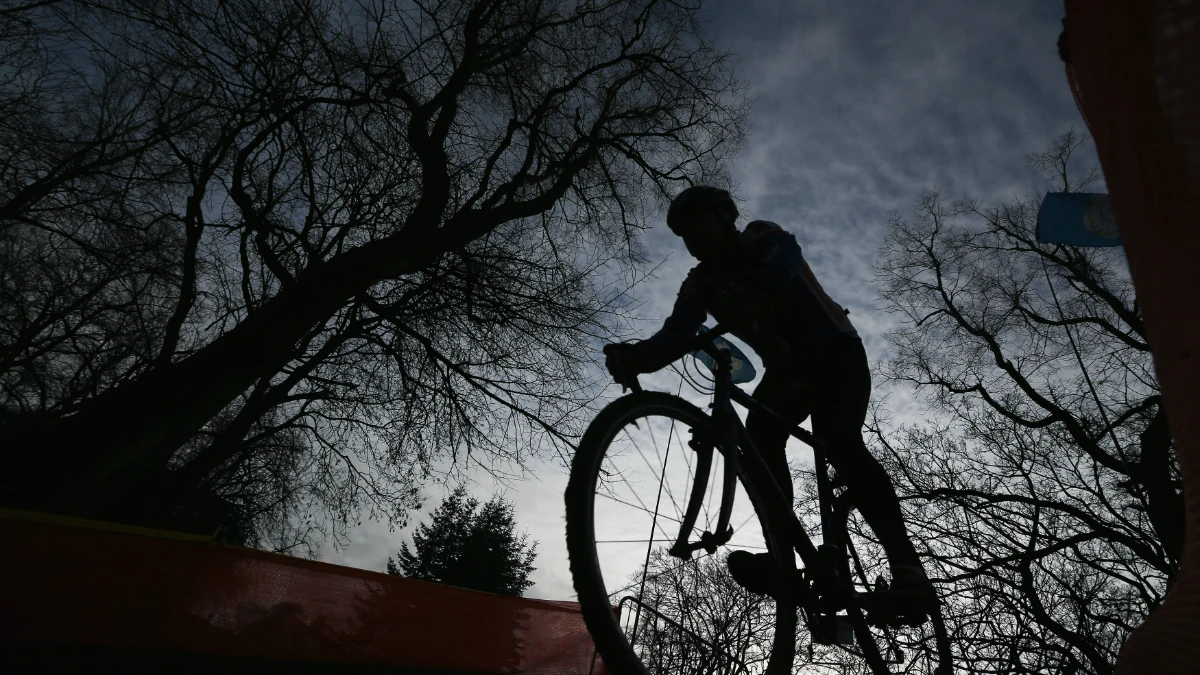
column 686, row 318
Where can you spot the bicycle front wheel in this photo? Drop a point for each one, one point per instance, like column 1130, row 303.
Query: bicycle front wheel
column 650, row 612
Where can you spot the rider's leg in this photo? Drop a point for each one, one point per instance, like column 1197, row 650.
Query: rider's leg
column 777, row 391
column 842, row 392
column 769, row 435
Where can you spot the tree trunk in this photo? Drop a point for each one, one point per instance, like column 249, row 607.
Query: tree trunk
column 80, row 462
column 1164, row 505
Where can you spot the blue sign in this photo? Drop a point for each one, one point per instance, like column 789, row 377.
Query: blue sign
column 743, row 370
column 1077, row 219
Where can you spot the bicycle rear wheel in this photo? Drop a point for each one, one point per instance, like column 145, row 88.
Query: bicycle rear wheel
column 630, row 483
column 912, row 648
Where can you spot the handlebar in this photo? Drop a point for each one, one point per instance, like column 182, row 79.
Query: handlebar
column 702, row 341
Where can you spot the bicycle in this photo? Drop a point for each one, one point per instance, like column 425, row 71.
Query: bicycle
column 835, row 609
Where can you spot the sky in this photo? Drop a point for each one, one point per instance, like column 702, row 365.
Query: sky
column 861, row 107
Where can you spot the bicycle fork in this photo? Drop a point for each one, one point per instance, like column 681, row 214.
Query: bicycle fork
column 703, row 444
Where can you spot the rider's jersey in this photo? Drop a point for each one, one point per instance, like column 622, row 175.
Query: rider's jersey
column 766, row 291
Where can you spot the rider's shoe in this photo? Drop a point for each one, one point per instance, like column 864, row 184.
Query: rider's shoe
column 909, row 600
column 910, row 582
column 754, row 572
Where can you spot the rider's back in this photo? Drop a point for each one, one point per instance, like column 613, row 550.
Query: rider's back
column 767, row 291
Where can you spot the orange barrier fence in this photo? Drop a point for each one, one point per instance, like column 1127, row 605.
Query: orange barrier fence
column 1134, row 66
column 75, row 585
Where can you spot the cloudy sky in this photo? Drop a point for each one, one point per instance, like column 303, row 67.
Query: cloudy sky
column 861, row 107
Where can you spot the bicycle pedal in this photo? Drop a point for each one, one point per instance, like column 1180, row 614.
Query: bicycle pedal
column 829, row 603
column 798, row 588
column 896, row 610
column 801, row 589
column 832, row 630
column 896, row 621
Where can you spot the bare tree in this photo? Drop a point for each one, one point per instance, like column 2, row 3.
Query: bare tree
column 383, row 226
column 696, row 619
column 1043, row 486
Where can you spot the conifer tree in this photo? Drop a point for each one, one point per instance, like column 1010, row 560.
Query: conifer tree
column 469, row 545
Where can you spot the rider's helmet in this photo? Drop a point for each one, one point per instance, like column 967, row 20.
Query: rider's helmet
column 697, row 200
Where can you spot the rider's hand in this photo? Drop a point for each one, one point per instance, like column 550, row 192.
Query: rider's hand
column 621, row 360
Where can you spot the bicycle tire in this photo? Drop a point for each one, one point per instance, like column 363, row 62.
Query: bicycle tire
column 941, row 653
column 595, row 605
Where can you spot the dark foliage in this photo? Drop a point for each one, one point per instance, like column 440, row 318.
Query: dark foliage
column 469, row 545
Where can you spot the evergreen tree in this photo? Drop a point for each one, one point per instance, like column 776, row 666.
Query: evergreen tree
column 469, row 545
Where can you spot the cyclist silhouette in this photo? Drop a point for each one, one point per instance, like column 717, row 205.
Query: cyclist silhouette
column 756, row 282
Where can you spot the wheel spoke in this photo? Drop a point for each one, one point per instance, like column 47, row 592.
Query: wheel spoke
column 736, row 545
column 692, row 479
column 663, row 464
column 666, row 484
column 642, row 508
column 712, row 483
column 652, row 577
column 619, row 555
column 748, row 519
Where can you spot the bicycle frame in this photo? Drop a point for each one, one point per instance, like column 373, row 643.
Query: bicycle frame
column 828, row 506
column 823, row 569
column 826, row 568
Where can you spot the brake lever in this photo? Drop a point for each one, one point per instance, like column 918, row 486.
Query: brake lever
column 631, row 383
